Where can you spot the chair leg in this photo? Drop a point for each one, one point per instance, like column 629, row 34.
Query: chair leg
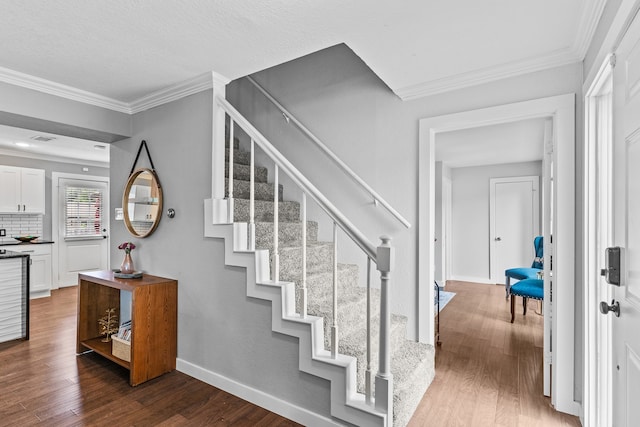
column 524, row 304
column 513, row 307
column 507, row 287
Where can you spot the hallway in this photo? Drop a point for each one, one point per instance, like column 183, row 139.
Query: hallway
column 488, row 371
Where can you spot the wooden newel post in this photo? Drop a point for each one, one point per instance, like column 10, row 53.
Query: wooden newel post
column 385, row 257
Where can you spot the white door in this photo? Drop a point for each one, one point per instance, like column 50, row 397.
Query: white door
column 82, row 227
column 626, row 229
column 514, row 223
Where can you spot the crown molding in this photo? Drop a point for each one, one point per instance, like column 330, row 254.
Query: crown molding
column 197, row 84
column 587, row 26
column 50, row 158
column 486, row 75
column 180, row 90
column 52, row 88
column 576, row 53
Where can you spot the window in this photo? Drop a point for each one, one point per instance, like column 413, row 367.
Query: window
column 83, row 212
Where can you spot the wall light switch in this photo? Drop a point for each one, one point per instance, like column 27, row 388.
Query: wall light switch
column 3, row 232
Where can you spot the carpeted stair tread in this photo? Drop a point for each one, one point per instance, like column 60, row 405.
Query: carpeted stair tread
column 412, row 369
column 240, row 157
column 262, row 190
column 412, row 363
column 287, row 211
column 243, row 172
column 290, row 234
column 319, row 258
column 355, row 344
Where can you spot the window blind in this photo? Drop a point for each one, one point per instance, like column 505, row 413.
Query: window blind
column 83, row 212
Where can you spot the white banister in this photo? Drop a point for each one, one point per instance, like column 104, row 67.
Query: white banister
column 377, row 199
column 230, row 169
column 383, row 256
column 303, row 209
column 384, row 378
column 368, row 386
column 252, row 202
column 299, row 179
column 334, row 325
column 276, row 252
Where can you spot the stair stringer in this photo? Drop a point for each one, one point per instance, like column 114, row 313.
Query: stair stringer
column 346, row 403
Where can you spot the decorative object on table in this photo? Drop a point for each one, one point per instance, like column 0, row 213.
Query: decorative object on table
column 127, row 264
column 122, row 342
column 108, row 324
column 120, row 275
column 26, row 238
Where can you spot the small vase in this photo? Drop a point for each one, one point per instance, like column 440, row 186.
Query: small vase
column 127, row 265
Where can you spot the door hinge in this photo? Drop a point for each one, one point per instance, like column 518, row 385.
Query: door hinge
column 612, row 60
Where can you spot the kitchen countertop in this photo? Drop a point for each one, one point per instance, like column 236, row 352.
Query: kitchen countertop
column 11, row 254
column 33, row 242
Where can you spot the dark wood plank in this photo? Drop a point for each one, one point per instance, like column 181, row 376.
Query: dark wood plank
column 43, row 382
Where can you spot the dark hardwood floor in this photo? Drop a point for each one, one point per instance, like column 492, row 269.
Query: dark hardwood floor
column 488, row 370
column 43, row 382
column 488, row 373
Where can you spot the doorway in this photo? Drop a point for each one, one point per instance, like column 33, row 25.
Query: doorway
column 514, row 222
column 560, row 110
column 80, row 224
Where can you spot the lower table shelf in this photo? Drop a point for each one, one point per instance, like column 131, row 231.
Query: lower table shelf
column 154, row 315
column 104, row 349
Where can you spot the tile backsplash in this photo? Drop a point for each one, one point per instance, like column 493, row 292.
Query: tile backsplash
column 21, row 225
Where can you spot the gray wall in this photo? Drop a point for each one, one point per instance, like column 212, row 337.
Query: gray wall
column 470, row 216
column 220, row 329
column 344, row 103
column 50, row 167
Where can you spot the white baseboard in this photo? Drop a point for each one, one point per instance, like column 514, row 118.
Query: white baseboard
column 482, row 280
column 257, row 397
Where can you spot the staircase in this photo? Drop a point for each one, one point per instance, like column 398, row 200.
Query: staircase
column 412, row 362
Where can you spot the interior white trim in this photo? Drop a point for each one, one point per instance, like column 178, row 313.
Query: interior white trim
column 575, row 53
column 52, row 88
column 264, row 400
column 555, row 59
column 179, row 90
column 562, row 110
column 50, row 158
column 55, row 224
column 587, row 27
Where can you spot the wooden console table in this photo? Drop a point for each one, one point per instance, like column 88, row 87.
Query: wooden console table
column 154, row 312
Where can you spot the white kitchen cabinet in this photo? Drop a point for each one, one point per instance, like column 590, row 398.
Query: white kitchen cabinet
column 13, row 300
column 21, row 190
column 39, row 269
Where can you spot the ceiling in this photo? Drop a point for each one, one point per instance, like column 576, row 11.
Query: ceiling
column 117, row 53
column 34, row 144
column 515, row 142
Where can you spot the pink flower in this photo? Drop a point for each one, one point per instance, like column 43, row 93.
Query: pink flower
column 127, row 246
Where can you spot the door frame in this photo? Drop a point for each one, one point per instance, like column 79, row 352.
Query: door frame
column 597, row 329
column 55, row 209
column 561, row 110
column 535, row 182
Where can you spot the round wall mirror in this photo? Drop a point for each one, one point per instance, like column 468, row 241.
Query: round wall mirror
column 142, row 202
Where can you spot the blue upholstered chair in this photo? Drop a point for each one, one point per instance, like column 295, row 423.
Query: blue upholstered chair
column 522, row 273
column 527, row 288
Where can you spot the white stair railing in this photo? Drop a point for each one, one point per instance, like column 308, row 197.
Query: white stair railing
column 382, row 256
column 377, row 199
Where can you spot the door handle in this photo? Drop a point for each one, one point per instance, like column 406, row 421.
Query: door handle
column 498, row 239
column 606, row 308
